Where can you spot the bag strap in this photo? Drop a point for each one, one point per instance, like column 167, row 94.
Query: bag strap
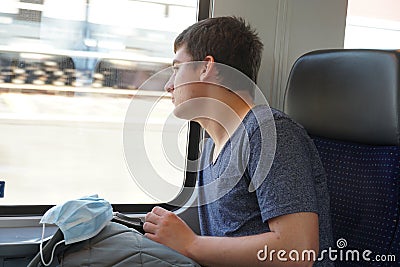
column 48, row 249
column 135, row 223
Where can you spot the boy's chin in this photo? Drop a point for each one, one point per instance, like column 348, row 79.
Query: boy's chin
column 187, row 111
column 181, row 112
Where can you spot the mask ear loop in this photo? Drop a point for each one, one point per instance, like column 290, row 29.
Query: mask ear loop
column 52, row 252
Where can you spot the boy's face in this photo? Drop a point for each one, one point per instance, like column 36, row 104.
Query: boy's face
column 184, row 84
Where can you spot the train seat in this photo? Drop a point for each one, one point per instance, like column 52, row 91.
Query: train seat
column 348, row 101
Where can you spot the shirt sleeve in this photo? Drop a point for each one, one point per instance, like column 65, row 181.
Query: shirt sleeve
column 288, row 186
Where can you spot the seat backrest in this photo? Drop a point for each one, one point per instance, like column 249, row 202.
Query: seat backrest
column 348, row 101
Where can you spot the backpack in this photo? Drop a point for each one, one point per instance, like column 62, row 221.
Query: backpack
column 116, row 245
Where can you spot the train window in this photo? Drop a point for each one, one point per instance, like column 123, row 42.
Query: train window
column 70, row 70
column 373, row 24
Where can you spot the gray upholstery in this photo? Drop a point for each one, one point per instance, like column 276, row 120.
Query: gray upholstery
column 360, row 98
column 348, row 100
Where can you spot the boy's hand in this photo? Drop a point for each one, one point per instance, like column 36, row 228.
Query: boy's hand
column 167, row 228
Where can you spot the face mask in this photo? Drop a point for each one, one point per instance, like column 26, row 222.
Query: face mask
column 78, row 219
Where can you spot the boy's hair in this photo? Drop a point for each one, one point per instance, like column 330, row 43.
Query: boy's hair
column 228, row 39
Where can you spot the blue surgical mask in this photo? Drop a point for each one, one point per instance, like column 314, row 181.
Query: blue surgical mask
column 79, row 219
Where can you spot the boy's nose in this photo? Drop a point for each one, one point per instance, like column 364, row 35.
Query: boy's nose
column 169, row 86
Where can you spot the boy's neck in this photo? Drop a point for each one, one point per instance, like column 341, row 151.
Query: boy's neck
column 225, row 124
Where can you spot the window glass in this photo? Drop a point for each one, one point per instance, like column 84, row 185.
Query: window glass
column 69, row 71
column 373, row 24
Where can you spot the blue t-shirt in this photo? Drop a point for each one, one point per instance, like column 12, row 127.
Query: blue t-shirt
column 288, row 181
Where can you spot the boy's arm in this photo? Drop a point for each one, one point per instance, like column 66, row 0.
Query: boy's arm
column 297, row 231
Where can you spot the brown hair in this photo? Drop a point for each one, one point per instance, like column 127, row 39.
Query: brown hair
column 228, row 39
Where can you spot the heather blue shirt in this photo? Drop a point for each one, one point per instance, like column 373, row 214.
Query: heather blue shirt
column 296, row 181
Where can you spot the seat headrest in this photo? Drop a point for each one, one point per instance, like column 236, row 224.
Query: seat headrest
column 349, row 94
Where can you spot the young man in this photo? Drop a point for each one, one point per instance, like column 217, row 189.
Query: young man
column 247, row 218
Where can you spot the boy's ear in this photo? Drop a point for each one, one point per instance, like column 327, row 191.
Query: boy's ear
column 208, row 69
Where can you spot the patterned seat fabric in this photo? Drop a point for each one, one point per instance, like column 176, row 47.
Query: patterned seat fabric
column 364, row 188
column 348, row 100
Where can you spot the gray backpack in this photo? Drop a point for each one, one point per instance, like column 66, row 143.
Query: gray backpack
column 116, row 245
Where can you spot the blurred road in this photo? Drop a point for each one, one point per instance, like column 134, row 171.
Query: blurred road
column 56, row 147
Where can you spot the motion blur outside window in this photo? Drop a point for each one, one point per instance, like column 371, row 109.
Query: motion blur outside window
column 373, row 24
column 69, row 72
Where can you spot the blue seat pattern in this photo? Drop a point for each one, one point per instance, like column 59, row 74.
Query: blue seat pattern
column 395, row 247
column 364, row 187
